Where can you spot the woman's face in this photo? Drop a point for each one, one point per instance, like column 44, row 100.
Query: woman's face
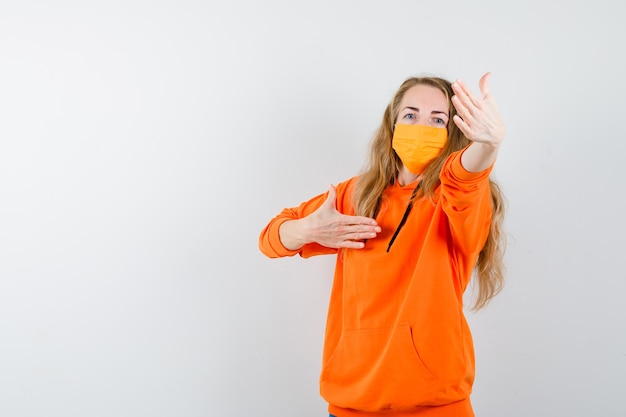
column 424, row 105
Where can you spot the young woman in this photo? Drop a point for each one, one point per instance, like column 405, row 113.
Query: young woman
column 408, row 233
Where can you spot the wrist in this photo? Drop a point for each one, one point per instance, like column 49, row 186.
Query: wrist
column 292, row 234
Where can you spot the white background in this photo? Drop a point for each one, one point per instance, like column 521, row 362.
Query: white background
column 145, row 144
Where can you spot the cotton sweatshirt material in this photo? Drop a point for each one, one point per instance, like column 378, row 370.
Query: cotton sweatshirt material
column 397, row 343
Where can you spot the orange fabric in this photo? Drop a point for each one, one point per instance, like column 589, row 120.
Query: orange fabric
column 418, row 145
column 397, row 341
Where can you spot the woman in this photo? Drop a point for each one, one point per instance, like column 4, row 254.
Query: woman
column 408, row 233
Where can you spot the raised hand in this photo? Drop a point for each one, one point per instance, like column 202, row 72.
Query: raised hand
column 478, row 118
column 480, row 122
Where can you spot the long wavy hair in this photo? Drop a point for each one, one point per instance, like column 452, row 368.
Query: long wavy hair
column 383, row 168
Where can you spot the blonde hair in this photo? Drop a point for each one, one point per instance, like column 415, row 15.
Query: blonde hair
column 383, row 168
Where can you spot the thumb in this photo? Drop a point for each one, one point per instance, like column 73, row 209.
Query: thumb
column 331, row 199
column 484, row 86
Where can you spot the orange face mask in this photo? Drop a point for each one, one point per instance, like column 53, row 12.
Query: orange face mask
column 417, row 145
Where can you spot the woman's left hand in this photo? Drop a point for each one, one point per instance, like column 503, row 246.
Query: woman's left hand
column 478, row 119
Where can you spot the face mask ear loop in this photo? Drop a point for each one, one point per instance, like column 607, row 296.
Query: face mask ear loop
column 405, row 216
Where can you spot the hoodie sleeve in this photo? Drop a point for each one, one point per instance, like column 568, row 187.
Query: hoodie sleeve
column 466, row 200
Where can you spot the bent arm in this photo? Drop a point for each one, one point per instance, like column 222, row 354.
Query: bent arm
column 317, row 227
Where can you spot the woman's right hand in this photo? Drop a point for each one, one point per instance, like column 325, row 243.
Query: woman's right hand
column 327, row 227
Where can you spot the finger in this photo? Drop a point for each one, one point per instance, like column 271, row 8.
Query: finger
column 483, row 85
column 356, row 237
column 348, row 220
column 462, row 110
column 465, row 95
column 331, row 199
column 463, row 126
column 351, row 244
column 355, row 240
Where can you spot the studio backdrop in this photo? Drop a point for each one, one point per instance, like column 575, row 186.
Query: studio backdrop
column 145, row 144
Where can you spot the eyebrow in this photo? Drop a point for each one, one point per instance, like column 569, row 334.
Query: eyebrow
column 432, row 112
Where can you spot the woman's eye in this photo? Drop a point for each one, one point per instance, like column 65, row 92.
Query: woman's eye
column 439, row 121
column 409, row 116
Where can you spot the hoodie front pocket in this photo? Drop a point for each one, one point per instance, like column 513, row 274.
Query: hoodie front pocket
column 377, row 369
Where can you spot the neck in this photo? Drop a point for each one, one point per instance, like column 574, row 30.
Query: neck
column 406, row 177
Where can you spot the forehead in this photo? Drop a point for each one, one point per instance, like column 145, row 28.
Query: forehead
column 424, row 96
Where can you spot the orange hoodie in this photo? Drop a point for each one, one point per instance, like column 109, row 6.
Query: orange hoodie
column 397, row 343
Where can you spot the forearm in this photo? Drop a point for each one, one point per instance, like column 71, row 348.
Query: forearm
column 479, row 156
